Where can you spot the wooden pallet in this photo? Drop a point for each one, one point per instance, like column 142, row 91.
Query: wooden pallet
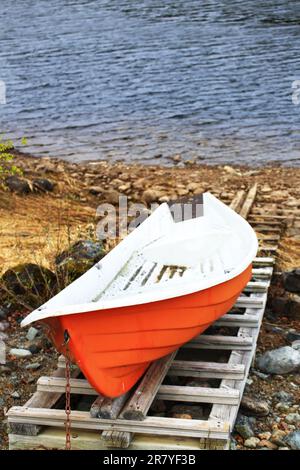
column 222, row 357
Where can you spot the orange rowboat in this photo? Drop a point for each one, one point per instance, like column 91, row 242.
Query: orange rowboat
column 164, row 284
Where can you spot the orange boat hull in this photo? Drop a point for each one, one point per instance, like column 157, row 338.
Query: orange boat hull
column 114, row 347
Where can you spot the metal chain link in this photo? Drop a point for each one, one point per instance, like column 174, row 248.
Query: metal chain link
column 68, row 392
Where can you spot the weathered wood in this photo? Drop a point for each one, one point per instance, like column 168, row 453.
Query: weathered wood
column 108, row 408
column 244, row 211
column 119, row 439
column 256, row 286
column 245, row 302
column 142, row 398
column 198, row 394
column 238, row 200
column 150, row 425
column 219, row 342
column 235, row 320
column 263, row 261
column 214, row 370
column 55, row 438
column 262, row 273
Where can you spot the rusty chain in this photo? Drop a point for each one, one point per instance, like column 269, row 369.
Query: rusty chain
column 68, row 392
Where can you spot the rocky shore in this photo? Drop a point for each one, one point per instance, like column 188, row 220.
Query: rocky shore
column 47, row 238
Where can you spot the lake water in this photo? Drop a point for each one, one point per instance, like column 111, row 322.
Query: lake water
column 148, row 79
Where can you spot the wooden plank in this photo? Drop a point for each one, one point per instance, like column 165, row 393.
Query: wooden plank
column 271, row 249
column 255, row 286
column 261, row 228
column 219, row 342
column 55, row 438
column 244, row 211
column 108, row 408
column 238, row 200
column 236, row 320
column 262, row 273
column 227, row 412
column 150, row 425
column 142, row 398
column 264, row 261
column 245, row 302
column 214, row 370
column 198, row 394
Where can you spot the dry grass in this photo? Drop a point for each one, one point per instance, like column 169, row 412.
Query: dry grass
column 35, row 229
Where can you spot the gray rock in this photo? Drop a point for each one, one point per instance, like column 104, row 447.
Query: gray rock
column 244, row 430
column 291, row 280
column 33, row 366
column 252, row 406
column 43, row 184
column 261, row 375
column 81, row 256
column 293, row 335
column 292, row 418
column 19, row 352
column 15, row 395
column 18, row 185
column 289, row 306
column 296, row 345
column 283, row 396
column 251, row 443
column 278, row 437
column 279, row 361
column 31, row 334
column 293, row 440
column 282, row 406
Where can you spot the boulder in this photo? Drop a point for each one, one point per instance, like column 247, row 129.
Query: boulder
column 291, row 281
column 288, row 305
column 43, row 184
column 29, row 284
column 77, row 259
column 18, row 185
column 279, row 361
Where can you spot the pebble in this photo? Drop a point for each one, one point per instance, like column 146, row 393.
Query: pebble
column 283, row 396
column 261, row 375
column 282, row 406
column 293, row 440
column 20, row 352
column 33, row 366
column 279, row 361
column 292, row 418
column 254, row 407
column 252, row 442
column 31, row 334
column 244, row 430
column 267, row 444
column 193, row 411
column 15, row 395
column 278, row 437
column 265, row 435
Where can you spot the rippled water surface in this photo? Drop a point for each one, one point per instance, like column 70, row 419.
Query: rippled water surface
column 139, row 79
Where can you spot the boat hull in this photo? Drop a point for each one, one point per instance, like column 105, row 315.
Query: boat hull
column 114, row 347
